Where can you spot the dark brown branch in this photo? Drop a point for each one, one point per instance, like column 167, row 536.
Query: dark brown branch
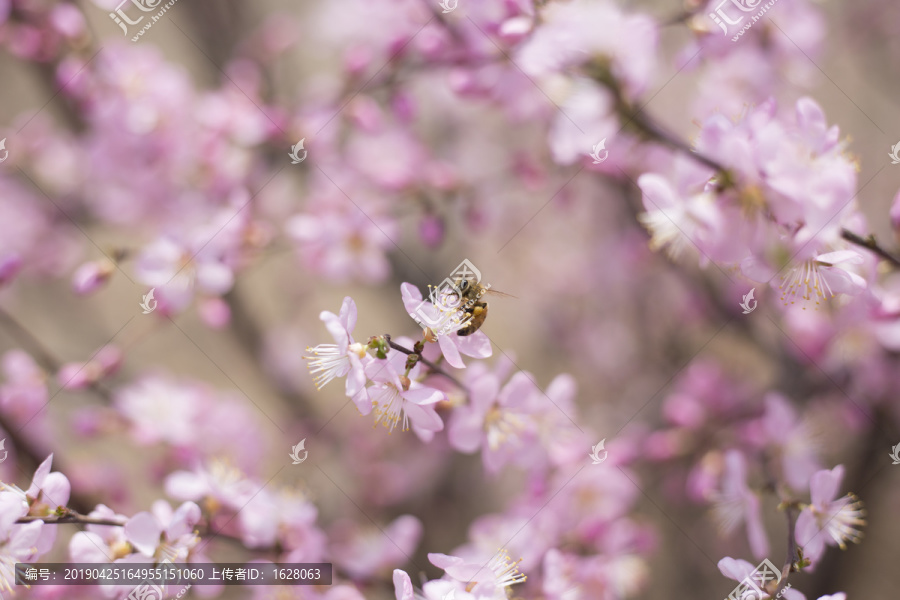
column 870, row 244
column 792, row 548
column 72, row 517
column 424, row 361
column 32, row 344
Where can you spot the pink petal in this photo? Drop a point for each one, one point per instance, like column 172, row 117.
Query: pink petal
column 214, row 277
column 412, row 297
column 40, row 474
column 88, row 547
column 477, row 345
column 843, row 282
column 483, row 393
column 807, row 536
column 811, row 119
column 348, row 314
column 356, row 378
column 454, row 566
column 424, row 417
column 466, row 430
column 735, row 568
column 186, row 516
column 841, row 256
column 658, row 193
column 336, row 329
column 56, row 490
column 143, row 531
column 450, row 351
column 823, row 486
column 403, row 588
column 185, row 485
column 423, row 395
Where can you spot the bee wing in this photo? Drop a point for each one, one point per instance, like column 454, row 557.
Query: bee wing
column 494, row 292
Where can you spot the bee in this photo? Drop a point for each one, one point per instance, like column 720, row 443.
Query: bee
column 468, row 300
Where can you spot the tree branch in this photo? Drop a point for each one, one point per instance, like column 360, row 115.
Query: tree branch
column 870, row 244
column 792, row 549
column 424, row 361
column 72, row 517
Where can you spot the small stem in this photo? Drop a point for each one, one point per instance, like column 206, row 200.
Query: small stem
column 869, row 243
column 72, row 517
column 792, row 548
column 657, row 132
column 40, row 353
column 424, row 361
column 33, row 345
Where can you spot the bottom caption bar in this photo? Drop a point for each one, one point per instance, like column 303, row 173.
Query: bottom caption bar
column 174, row 574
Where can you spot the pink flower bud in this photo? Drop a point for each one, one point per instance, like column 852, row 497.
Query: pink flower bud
column 67, row 20
column 215, row 312
column 91, row 275
column 9, row 267
column 431, row 230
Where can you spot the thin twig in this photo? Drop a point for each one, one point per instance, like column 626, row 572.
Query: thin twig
column 657, row 132
column 34, row 346
column 72, row 517
column 424, row 361
column 869, row 243
column 792, row 548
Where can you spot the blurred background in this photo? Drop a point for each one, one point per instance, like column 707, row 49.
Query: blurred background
column 418, row 158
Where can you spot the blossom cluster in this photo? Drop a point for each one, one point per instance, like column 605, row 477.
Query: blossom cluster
column 160, row 170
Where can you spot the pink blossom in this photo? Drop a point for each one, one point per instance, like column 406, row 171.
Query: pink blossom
column 568, row 36
column 24, row 391
column 827, row 520
column 366, row 553
column 739, row 570
column 100, row 543
column 285, row 517
column 342, row 241
column 76, row 376
column 791, row 436
column 218, row 484
column 176, row 270
column 487, row 579
column 476, row 345
column 90, row 276
column 47, row 493
column 401, row 400
column 736, row 503
column 344, row 358
column 164, row 533
column 497, row 421
column 18, row 542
